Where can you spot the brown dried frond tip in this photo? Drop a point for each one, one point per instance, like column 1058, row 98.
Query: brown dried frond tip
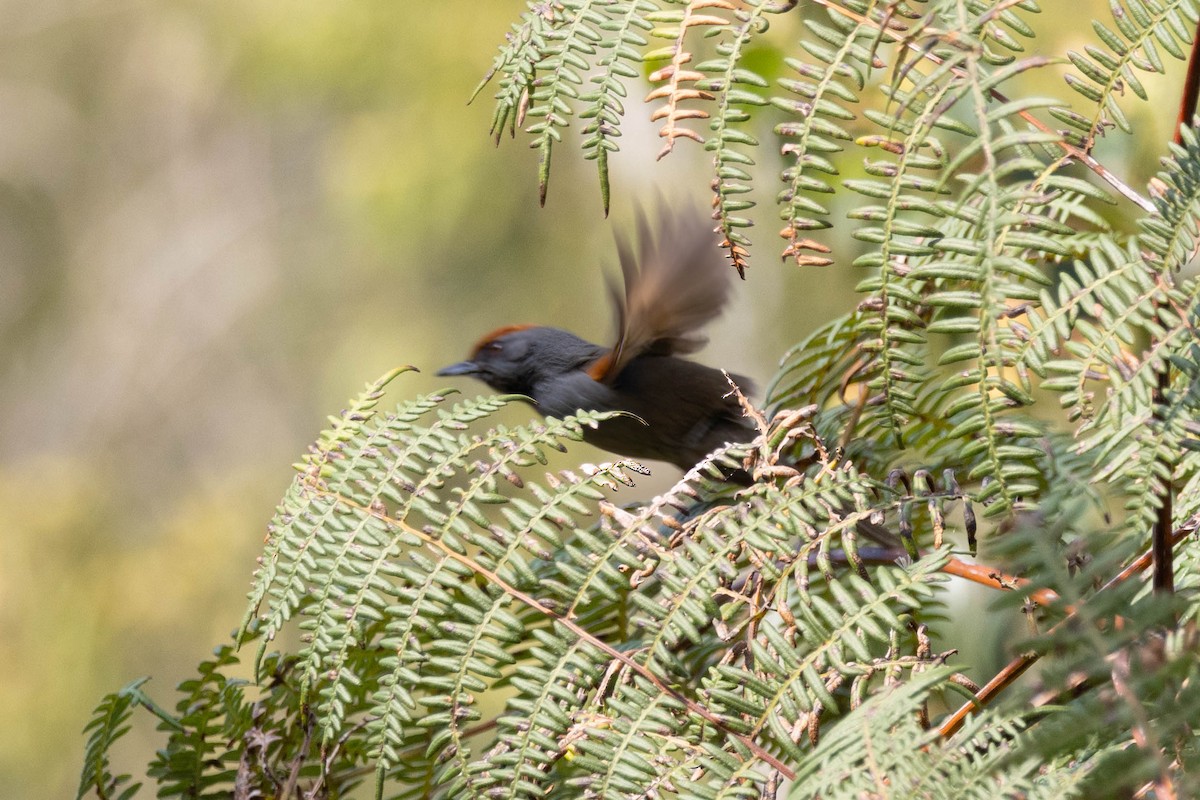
column 676, row 90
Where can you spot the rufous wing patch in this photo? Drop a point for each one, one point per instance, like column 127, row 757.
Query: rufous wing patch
column 599, row 369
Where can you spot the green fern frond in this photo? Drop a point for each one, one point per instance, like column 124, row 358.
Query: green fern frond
column 730, row 142
column 968, row 272
column 816, row 369
column 797, row 661
column 1116, row 323
column 625, row 21
column 815, row 132
column 1113, row 64
column 109, row 722
column 288, row 562
column 1140, row 675
column 204, row 747
column 408, row 571
column 983, row 761
column 523, row 50
column 565, row 59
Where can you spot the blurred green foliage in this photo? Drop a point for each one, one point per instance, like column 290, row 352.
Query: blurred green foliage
column 217, row 219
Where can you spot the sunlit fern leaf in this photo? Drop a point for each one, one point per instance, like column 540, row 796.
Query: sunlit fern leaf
column 307, row 527
column 819, row 367
column 825, row 90
column 827, row 369
column 372, row 518
column 962, row 273
column 522, row 51
column 1118, row 321
column 621, row 748
column 570, row 46
column 736, row 89
column 318, row 462
column 622, row 43
column 1187, row 559
column 779, row 532
column 892, row 312
column 1065, row 323
column 798, row 660
column 488, row 633
column 839, row 758
column 1109, row 67
column 540, row 723
column 1171, row 234
column 546, row 61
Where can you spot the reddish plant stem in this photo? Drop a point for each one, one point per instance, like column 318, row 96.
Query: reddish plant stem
column 1015, row 668
column 989, row 576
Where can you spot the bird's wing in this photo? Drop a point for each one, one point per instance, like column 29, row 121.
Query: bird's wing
column 676, row 280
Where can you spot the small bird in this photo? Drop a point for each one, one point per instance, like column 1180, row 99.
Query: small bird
column 674, row 283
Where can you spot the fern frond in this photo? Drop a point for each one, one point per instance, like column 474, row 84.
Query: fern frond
column 109, row 722
column 289, row 562
column 728, row 82
column 825, row 89
column 523, row 50
column 798, row 660
column 856, row 759
column 1126, row 663
column 679, row 86
column 1112, row 65
column 317, row 462
column 204, row 748
column 359, row 574
column 959, row 273
column 1121, row 321
column 820, row 367
column 565, row 58
column 606, row 108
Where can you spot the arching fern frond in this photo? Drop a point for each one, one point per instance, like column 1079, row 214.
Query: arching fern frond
column 856, row 759
column 1111, row 65
column 1120, row 320
column 816, row 131
column 516, row 63
column 958, row 277
column 109, row 722
column 819, row 368
column 426, row 569
column 564, row 61
column 626, row 22
column 735, row 87
column 341, row 559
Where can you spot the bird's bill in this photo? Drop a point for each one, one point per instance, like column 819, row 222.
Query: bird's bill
column 461, row 368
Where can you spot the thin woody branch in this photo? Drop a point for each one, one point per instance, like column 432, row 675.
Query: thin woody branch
column 1017, row 667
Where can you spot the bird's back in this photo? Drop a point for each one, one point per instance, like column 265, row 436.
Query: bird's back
column 685, row 410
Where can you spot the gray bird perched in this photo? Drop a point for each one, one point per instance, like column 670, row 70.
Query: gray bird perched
column 675, row 281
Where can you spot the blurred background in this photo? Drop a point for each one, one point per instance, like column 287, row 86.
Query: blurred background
column 217, row 221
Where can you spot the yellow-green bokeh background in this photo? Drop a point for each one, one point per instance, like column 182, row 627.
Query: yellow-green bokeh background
column 217, row 221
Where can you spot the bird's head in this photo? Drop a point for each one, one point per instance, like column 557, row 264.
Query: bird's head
column 517, row 358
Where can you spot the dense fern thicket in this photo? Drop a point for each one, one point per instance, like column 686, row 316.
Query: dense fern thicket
column 1021, row 374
